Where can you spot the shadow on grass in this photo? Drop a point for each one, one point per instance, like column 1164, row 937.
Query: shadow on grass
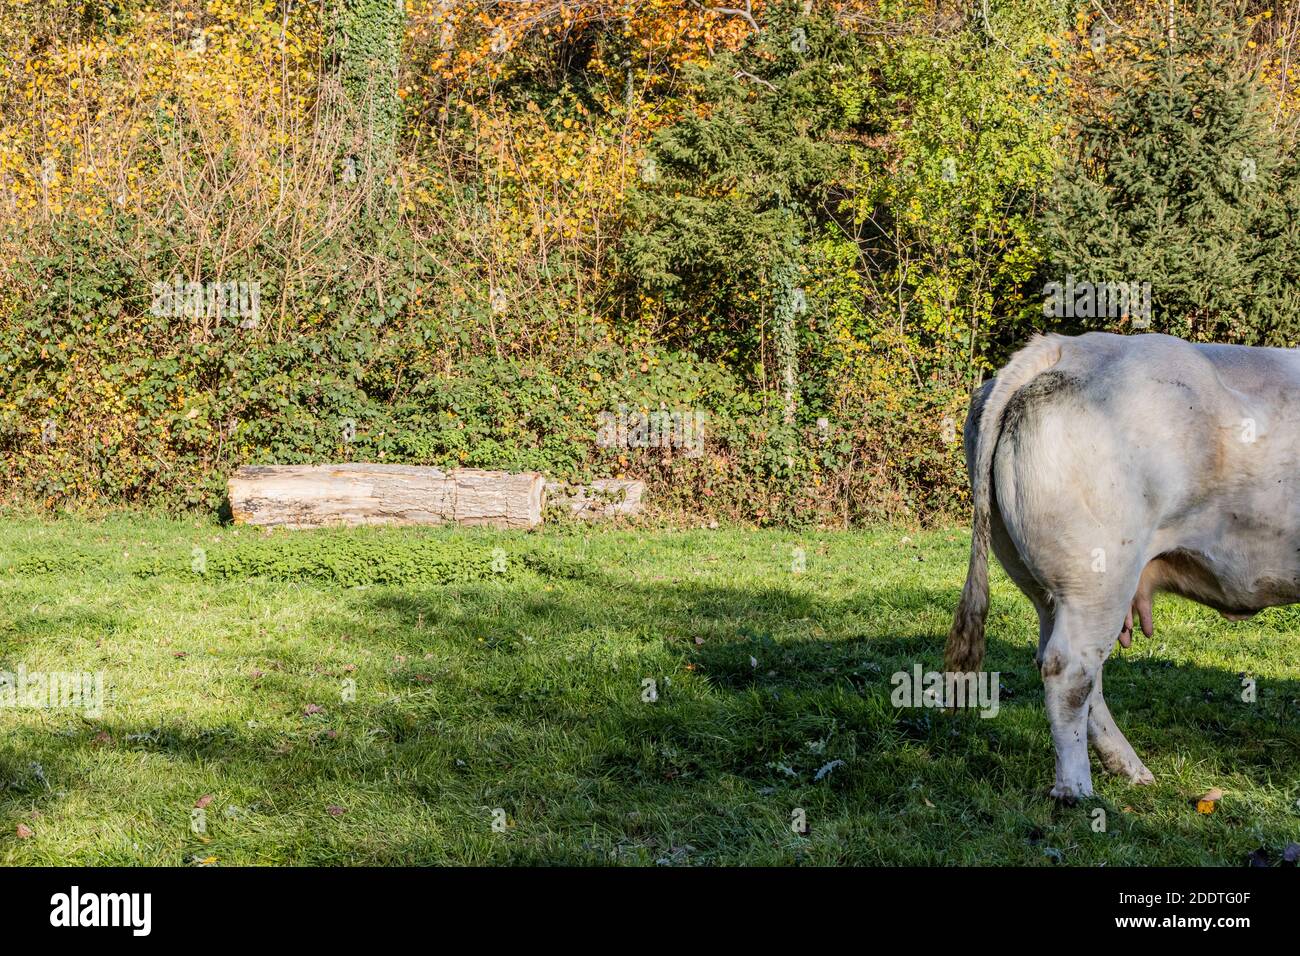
column 762, row 702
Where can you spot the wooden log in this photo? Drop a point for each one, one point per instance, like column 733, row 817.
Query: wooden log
column 603, row 498
column 308, row 496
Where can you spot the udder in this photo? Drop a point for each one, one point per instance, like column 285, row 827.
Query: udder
column 1192, row 575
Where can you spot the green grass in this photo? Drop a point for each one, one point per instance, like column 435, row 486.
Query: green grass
column 523, row 691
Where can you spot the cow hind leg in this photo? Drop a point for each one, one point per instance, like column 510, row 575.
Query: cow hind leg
column 1116, row 753
column 1071, row 667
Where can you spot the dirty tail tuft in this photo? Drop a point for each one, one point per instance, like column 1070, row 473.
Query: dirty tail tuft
column 965, row 649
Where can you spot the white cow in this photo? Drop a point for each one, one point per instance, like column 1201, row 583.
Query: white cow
column 1105, row 468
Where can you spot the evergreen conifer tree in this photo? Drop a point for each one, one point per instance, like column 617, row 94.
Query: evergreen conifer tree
column 1179, row 179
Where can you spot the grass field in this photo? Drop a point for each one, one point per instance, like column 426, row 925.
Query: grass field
column 524, row 692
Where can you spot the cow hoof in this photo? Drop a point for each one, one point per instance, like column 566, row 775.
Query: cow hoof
column 1069, row 795
column 1134, row 771
column 1140, row 776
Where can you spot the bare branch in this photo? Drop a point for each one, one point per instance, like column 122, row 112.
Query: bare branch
column 744, row 75
column 746, row 14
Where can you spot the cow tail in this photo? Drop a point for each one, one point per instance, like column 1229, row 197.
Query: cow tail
column 965, row 649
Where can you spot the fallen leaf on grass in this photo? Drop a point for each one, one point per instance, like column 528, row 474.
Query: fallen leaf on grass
column 1206, row 802
column 203, row 801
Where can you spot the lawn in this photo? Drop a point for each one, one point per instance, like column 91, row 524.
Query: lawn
column 293, row 705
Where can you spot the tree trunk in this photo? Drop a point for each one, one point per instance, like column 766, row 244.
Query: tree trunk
column 306, row 496
column 789, row 304
column 368, row 40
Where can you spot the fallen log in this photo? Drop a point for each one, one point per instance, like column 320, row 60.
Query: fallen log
column 308, row 496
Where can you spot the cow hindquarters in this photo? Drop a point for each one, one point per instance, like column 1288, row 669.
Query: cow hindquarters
column 1081, row 523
